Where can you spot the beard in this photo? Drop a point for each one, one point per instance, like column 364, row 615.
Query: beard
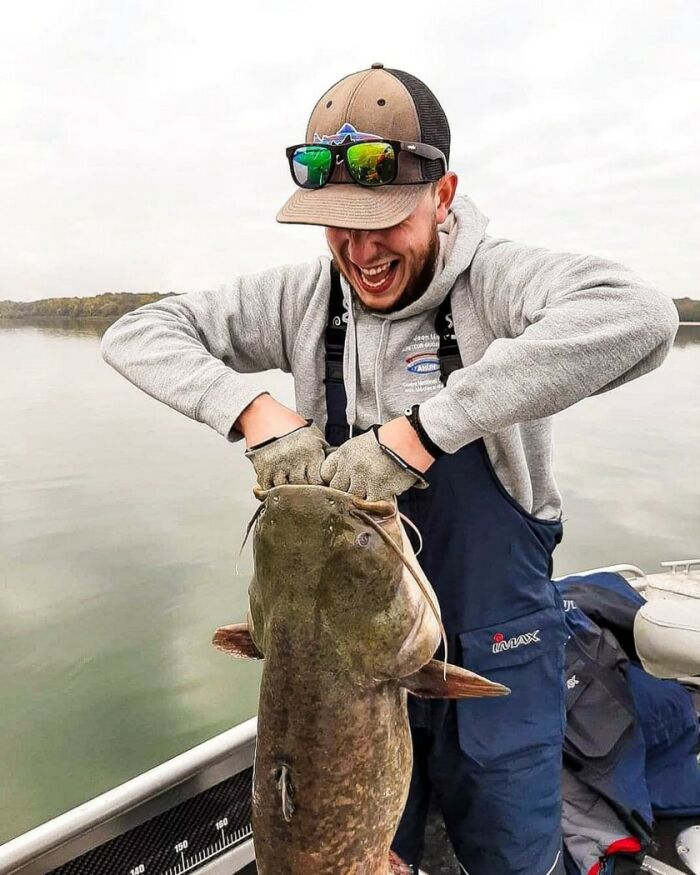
column 421, row 276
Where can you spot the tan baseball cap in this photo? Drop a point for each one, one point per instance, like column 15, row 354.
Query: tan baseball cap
column 371, row 104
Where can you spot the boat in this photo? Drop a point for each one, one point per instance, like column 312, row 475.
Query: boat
column 192, row 813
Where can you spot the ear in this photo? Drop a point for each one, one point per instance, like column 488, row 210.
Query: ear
column 446, row 189
column 237, row 641
column 430, row 682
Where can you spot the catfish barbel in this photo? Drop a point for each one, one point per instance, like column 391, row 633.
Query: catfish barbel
column 346, row 622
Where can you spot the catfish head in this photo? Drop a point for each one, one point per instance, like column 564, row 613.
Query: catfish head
column 337, row 575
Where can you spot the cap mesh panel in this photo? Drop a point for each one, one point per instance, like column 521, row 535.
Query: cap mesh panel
column 434, row 129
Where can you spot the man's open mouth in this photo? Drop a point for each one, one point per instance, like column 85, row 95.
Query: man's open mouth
column 376, row 279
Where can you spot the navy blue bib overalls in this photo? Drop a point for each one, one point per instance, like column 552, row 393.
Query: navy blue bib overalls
column 493, row 764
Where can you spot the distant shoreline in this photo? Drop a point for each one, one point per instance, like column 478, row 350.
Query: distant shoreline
column 113, row 305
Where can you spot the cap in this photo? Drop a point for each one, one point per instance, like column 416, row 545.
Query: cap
column 372, row 103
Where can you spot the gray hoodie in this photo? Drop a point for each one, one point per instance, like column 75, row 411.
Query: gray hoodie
column 537, row 331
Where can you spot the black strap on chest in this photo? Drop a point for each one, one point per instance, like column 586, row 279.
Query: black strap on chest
column 336, row 328
column 337, row 430
column 448, row 350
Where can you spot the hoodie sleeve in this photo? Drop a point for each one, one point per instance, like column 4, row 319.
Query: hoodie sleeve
column 563, row 327
column 192, row 351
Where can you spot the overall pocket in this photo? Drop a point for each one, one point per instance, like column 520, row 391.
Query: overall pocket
column 600, row 715
column 527, row 655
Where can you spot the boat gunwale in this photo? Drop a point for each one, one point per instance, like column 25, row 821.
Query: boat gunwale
column 106, row 816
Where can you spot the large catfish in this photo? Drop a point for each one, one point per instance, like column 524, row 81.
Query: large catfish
column 347, row 623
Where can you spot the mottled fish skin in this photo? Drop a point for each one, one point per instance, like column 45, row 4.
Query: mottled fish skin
column 339, row 621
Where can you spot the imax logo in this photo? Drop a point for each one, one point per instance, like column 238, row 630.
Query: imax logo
column 500, row 643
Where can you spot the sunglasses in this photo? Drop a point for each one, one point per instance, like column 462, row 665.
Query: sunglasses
column 372, row 162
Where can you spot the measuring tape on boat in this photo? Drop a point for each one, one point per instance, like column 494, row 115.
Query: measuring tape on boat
column 189, row 837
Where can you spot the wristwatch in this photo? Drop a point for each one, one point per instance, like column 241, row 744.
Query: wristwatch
column 411, row 414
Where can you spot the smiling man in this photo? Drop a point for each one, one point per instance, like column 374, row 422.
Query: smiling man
column 433, row 356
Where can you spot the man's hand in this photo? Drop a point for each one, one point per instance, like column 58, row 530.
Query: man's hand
column 282, row 445
column 369, row 470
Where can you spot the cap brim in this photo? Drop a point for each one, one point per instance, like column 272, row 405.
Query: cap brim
column 347, row 205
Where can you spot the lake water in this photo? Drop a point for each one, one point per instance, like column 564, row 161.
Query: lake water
column 120, row 522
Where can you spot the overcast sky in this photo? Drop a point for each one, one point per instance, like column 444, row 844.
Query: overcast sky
column 142, row 143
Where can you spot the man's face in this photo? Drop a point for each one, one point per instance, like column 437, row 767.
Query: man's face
column 389, row 269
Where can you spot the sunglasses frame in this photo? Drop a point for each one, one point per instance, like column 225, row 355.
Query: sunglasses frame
column 422, row 150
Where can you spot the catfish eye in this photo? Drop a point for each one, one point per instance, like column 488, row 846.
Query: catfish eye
column 363, row 539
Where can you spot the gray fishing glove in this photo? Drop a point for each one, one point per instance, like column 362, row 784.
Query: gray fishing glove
column 368, row 469
column 295, row 457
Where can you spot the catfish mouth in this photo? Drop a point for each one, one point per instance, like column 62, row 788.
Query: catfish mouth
column 377, row 508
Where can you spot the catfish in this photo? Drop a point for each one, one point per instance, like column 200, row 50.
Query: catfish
column 347, row 624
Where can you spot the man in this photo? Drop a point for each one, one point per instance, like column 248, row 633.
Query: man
column 422, row 295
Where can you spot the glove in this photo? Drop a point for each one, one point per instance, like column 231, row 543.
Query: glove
column 294, row 457
column 369, row 470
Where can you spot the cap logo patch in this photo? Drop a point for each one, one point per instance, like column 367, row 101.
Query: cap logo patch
column 343, row 134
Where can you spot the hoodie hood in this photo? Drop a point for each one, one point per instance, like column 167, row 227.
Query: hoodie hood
column 459, row 237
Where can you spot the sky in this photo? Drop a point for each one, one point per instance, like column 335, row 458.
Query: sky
column 142, row 143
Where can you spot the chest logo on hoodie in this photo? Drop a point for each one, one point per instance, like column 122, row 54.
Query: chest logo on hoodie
column 423, row 363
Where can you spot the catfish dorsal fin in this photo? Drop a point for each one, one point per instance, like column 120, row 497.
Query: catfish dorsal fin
column 237, row 641
column 432, row 682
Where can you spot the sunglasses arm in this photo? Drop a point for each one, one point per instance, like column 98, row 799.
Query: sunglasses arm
column 425, row 151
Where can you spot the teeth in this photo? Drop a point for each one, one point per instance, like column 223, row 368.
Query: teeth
column 373, row 271
column 372, row 285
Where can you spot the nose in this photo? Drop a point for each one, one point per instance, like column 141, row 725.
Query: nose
column 363, row 246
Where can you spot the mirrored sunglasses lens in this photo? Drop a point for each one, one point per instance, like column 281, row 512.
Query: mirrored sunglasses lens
column 372, row 163
column 311, row 166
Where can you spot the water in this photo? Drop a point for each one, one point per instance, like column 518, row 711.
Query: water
column 120, row 522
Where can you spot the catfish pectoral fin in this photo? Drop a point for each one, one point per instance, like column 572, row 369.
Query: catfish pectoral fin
column 430, row 682
column 236, row 640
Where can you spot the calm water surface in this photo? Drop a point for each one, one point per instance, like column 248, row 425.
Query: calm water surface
column 120, row 522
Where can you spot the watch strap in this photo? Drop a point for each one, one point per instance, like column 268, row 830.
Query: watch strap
column 413, row 417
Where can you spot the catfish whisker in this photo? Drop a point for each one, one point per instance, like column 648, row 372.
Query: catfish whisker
column 253, row 520
column 415, row 529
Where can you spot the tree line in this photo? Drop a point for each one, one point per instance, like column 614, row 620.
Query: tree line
column 111, row 305
column 115, row 304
